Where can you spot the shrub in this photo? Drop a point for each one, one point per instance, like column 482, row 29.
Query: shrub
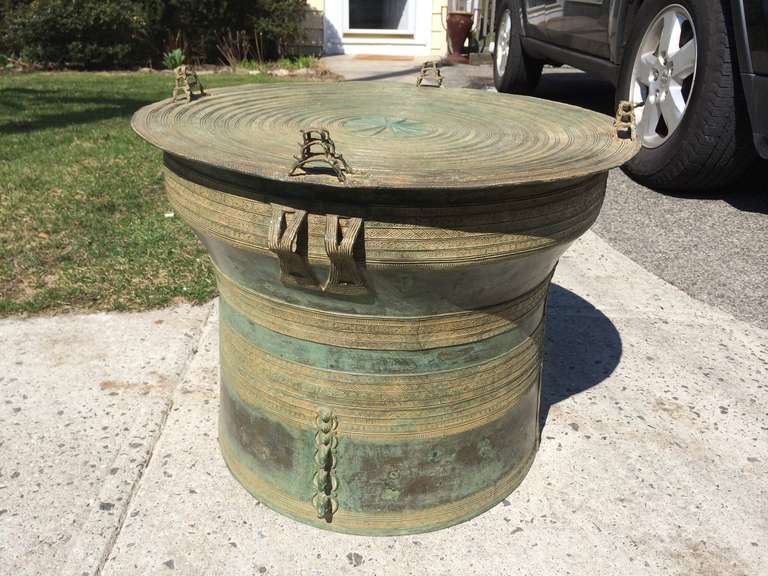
column 205, row 24
column 235, row 48
column 122, row 33
column 280, row 24
column 77, row 33
column 199, row 22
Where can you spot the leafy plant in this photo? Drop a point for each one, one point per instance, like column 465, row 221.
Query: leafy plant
column 291, row 63
column 173, row 59
column 297, row 62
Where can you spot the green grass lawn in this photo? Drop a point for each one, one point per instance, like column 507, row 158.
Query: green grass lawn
column 82, row 207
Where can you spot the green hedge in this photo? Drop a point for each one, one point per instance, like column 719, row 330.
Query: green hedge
column 78, row 34
column 124, row 33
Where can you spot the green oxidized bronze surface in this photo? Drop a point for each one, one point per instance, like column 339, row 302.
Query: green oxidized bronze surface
column 381, row 329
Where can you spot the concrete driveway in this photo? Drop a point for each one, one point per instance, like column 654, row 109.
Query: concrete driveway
column 653, row 457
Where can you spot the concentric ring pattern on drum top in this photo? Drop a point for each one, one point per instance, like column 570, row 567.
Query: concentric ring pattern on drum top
column 392, row 135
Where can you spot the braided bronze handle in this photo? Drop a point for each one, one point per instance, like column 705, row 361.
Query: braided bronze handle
column 625, row 120
column 317, row 146
column 344, row 275
column 430, row 71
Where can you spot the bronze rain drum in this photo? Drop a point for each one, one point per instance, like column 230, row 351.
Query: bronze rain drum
column 383, row 254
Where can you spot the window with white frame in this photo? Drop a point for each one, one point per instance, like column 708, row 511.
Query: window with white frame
column 380, row 16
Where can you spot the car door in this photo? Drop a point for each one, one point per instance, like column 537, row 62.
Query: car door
column 536, row 18
column 580, row 25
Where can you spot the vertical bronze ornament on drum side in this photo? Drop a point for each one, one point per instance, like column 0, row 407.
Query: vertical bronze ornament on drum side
column 381, row 333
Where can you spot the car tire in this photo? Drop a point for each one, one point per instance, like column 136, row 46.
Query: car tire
column 514, row 72
column 710, row 144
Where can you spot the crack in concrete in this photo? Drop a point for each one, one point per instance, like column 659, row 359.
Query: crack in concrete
column 76, row 556
column 153, row 444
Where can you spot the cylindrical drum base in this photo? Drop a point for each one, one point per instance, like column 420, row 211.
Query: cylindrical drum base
column 380, row 370
column 405, row 441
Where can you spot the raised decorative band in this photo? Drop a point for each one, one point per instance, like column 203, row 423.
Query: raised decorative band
column 380, row 332
column 380, row 406
column 398, row 235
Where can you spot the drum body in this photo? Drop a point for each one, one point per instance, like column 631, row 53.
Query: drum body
column 394, row 390
column 383, row 255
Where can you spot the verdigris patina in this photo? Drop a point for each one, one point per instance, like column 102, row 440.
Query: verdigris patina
column 382, row 318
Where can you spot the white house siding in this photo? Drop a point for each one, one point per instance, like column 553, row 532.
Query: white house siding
column 439, row 41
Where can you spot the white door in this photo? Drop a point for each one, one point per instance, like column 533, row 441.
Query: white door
column 378, row 26
column 380, row 17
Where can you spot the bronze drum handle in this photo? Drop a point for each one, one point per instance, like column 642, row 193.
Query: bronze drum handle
column 431, row 72
column 625, row 120
column 187, row 80
column 317, row 146
column 344, row 275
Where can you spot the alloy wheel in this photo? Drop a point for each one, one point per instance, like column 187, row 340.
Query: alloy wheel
column 663, row 75
column 502, row 42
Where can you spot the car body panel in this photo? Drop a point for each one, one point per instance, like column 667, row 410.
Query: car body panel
column 580, row 25
column 756, row 25
column 535, row 19
column 756, row 92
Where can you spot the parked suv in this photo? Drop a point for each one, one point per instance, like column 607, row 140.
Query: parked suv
column 697, row 71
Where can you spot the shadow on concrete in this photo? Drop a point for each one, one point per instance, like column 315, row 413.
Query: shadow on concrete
column 582, row 347
column 748, row 194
